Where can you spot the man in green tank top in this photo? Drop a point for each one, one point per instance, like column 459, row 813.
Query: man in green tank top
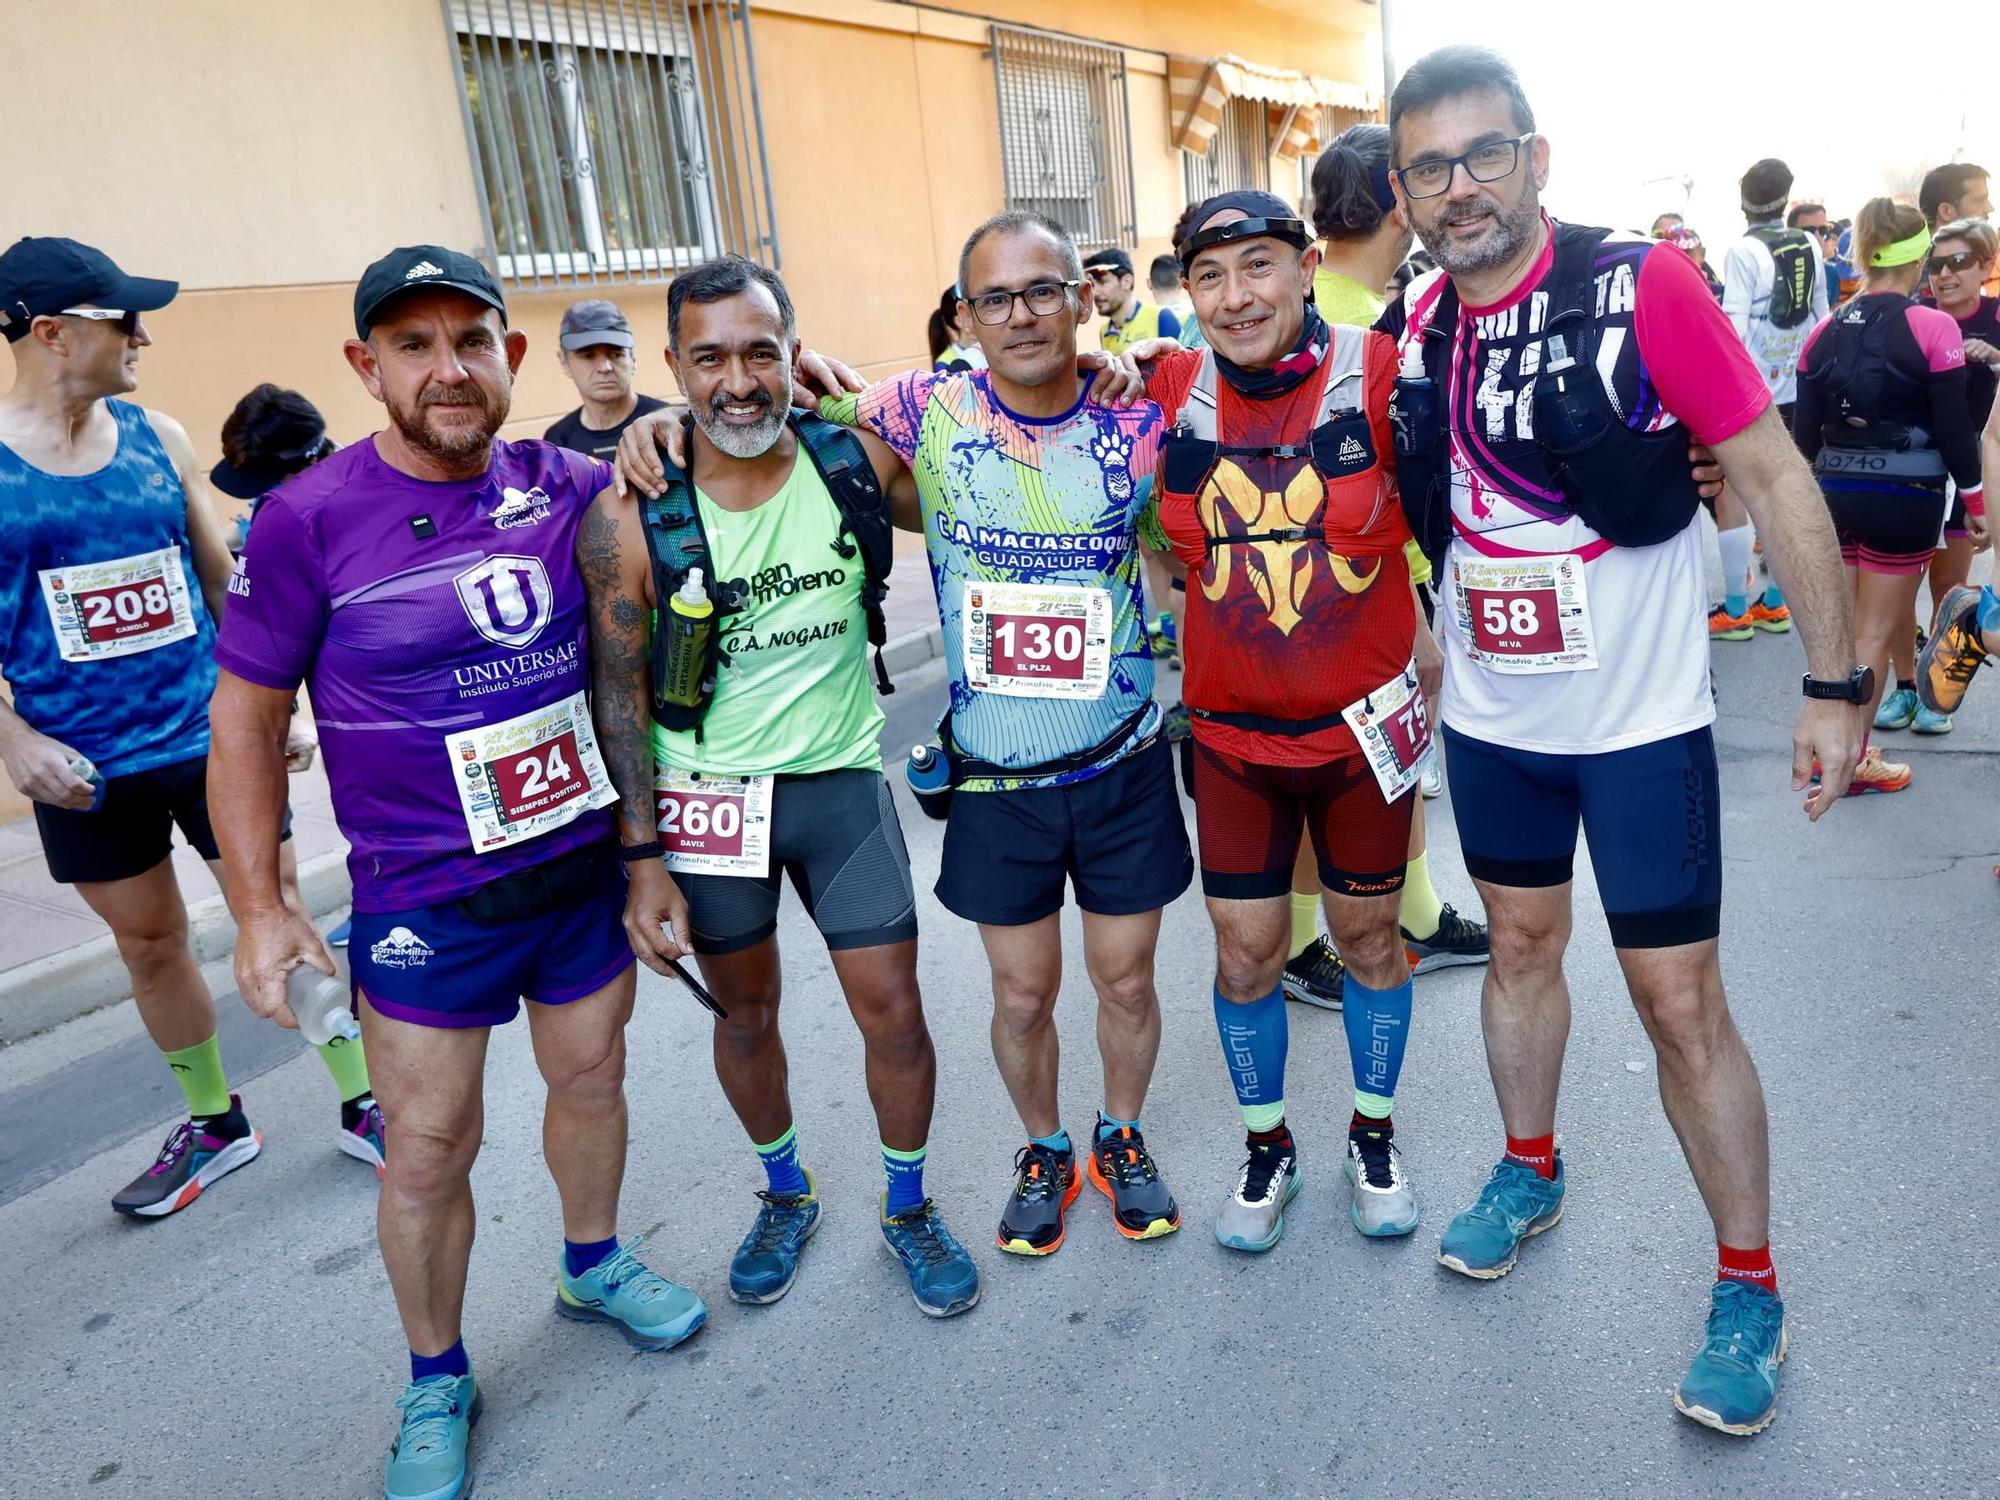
column 782, row 775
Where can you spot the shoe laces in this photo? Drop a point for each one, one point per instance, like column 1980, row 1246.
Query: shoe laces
column 1265, row 1160
column 1040, row 1170
column 1322, row 962
column 1512, row 1191
column 1123, row 1158
column 179, row 1141
column 622, row 1269
column 428, row 1407
column 1452, row 928
column 1378, row 1153
column 1740, row 1315
column 774, row 1220
column 924, row 1234
column 1966, row 654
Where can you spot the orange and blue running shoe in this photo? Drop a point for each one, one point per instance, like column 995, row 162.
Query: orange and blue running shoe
column 1774, row 619
column 1955, row 649
column 1122, row 1169
column 1873, row 774
column 1723, row 626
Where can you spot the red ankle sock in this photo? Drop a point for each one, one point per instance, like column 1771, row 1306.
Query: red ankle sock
column 1753, row 1266
column 1387, row 1124
column 1536, row 1151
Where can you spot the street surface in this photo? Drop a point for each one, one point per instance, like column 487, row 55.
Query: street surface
column 249, row 1347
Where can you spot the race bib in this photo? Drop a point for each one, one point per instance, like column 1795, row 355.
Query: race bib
column 1038, row 640
column 713, row 825
column 529, row 774
column 1524, row 614
column 1394, row 732
column 119, row 608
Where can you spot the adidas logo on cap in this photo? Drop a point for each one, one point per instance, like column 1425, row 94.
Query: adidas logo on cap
column 422, row 268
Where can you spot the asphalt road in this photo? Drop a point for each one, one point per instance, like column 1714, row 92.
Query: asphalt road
column 248, row 1346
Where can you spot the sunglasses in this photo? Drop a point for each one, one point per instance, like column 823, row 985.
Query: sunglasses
column 128, row 322
column 1957, row 260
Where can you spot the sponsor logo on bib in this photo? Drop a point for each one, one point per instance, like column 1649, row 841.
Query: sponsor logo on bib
column 508, row 599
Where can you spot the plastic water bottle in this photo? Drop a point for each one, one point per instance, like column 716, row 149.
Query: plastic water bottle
column 83, row 770
column 688, row 623
column 320, row 1002
column 930, row 780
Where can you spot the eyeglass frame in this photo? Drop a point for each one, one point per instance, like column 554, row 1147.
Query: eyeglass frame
column 1020, row 295
column 1959, row 261
column 130, row 324
column 1451, row 164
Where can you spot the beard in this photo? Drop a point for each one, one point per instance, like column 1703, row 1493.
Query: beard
column 1513, row 230
column 741, row 442
column 459, row 444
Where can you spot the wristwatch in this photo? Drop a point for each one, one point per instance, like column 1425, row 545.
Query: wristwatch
column 1858, row 688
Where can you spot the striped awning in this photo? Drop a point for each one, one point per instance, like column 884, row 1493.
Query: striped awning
column 1198, row 88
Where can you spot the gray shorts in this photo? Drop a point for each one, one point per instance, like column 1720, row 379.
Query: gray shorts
column 835, row 833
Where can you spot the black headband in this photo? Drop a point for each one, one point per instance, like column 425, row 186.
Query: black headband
column 1292, row 231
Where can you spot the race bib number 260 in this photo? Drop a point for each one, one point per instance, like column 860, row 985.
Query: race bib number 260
column 118, row 608
column 713, row 825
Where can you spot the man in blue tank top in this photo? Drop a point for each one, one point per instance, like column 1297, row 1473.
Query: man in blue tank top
column 111, row 587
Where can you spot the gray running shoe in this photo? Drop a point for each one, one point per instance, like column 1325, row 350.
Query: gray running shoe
column 1253, row 1215
column 1458, row 940
column 1385, row 1205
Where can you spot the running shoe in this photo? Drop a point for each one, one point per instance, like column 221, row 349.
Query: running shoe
column 428, row 1460
column 1253, row 1215
column 1178, row 722
column 339, row 936
column 942, row 1275
column 1723, row 626
column 1458, row 940
column 1045, row 1185
column 1732, row 1385
column 1773, row 619
column 1122, row 1169
column 1516, row 1204
column 1875, row 774
column 767, row 1262
column 1898, row 709
column 362, row 1133
column 1433, row 782
column 649, row 1311
column 1946, row 661
column 1160, row 637
column 1385, row 1205
column 196, row 1154
column 1316, row 976
column 1928, row 722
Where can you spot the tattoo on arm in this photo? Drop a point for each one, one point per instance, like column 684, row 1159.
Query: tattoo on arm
column 618, row 646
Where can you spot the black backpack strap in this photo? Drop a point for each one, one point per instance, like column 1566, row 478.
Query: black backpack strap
column 1573, row 297
column 866, row 528
column 676, row 543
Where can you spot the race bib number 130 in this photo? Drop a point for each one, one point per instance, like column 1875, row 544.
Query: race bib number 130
column 1037, row 640
column 118, row 608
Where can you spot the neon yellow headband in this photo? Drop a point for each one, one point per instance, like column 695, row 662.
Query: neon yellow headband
column 1903, row 252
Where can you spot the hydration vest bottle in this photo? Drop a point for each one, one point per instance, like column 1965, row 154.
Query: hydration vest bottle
column 688, row 623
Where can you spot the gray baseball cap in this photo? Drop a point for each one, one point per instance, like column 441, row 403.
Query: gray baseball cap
column 588, row 324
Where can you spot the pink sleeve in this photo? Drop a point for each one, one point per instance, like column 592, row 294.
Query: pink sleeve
column 1938, row 336
column 893, row 410
column 1691, row 351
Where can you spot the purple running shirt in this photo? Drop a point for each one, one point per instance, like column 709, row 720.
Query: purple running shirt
column 441, row 629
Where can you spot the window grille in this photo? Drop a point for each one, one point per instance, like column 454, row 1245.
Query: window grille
column 1066, row 133
column 1333, row 119
column 1238, row 156
column 613, row 140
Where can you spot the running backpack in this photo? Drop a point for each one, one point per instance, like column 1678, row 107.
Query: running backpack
column 1794, row 270
column 677, row 542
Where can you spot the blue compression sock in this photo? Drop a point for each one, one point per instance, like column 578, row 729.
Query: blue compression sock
column 1254, row 1043
column 905, row 1171
column 1774, row 597
column 786, row 1178
column 451, row 1362
column 1378, row 1029
column 581, row 1257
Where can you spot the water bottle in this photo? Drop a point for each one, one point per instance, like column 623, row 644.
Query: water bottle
column 320, row 1002
column 930, row 780
column 83, row 770
column 689, row 623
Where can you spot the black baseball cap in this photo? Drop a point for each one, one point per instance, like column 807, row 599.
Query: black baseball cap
column 412, row 267
column 40, row 276
column 1110, row 256
column 1268, row 216
column 588, row 324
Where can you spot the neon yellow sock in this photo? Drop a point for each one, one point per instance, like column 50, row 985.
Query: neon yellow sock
column 198, row 1070
column 1305, row 921
column 348, row 1065
column 1422, row 910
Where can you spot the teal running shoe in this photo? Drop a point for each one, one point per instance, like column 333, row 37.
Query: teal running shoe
column 428, row 1460
column 1898, row 710
column 767, row 1262
column 1930, row 721
column 1516, row 1204
column 650, row 1311
column 943, row 1278
column 1732, row 1385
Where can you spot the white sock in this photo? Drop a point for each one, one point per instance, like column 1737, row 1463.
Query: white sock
column 1735, row 544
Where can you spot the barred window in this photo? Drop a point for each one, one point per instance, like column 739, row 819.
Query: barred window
column 593, row 131
column 1333, row 119
column 1065, row 133
column 1238, row 156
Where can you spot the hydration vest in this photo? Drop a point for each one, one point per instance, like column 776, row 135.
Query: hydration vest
column 1632, row 488
column 1793, row 272
column 677, row 542
column 1858, row 440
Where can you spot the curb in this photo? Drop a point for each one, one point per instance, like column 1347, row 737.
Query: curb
column 59, row 987
column 914, row 649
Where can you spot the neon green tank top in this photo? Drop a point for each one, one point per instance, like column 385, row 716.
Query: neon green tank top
column 793, row 693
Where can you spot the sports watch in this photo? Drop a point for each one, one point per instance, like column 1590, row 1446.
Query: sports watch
column 1858, row 688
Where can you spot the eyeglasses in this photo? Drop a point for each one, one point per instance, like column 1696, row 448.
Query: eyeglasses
column 1043, row 298
column 1488, row 163
column 128, row 322
column 1957, row 260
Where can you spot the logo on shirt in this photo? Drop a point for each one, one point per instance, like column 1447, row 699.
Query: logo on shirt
column 401, row 949
column 1113, row 452
column 1351, row 451
column 508, row 599
column 520, row 508
column 239, row 579
column 422, row 268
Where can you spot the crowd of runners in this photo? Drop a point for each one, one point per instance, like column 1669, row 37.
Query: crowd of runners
column 1398, row 519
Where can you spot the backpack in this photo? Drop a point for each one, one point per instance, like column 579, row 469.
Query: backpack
column 1794, row 271
column 677, row 543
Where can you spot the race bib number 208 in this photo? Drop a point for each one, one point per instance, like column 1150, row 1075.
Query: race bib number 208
column 118, row 608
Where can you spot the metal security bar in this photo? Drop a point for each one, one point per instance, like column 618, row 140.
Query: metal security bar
column 1238, row 157
column 1066, row 133
column 613, row 140
column 1332, row 121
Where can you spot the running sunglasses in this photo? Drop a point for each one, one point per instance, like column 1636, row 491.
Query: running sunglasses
column 128, row 322
column 1958, row 260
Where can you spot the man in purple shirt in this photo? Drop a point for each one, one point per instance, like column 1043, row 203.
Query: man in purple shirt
column 423, row 584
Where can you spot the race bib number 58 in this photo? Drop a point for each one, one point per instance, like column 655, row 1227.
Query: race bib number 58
column 118, row 608
column 1524, row 614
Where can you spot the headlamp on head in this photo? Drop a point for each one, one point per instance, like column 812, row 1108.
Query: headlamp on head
column 1291, row 231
